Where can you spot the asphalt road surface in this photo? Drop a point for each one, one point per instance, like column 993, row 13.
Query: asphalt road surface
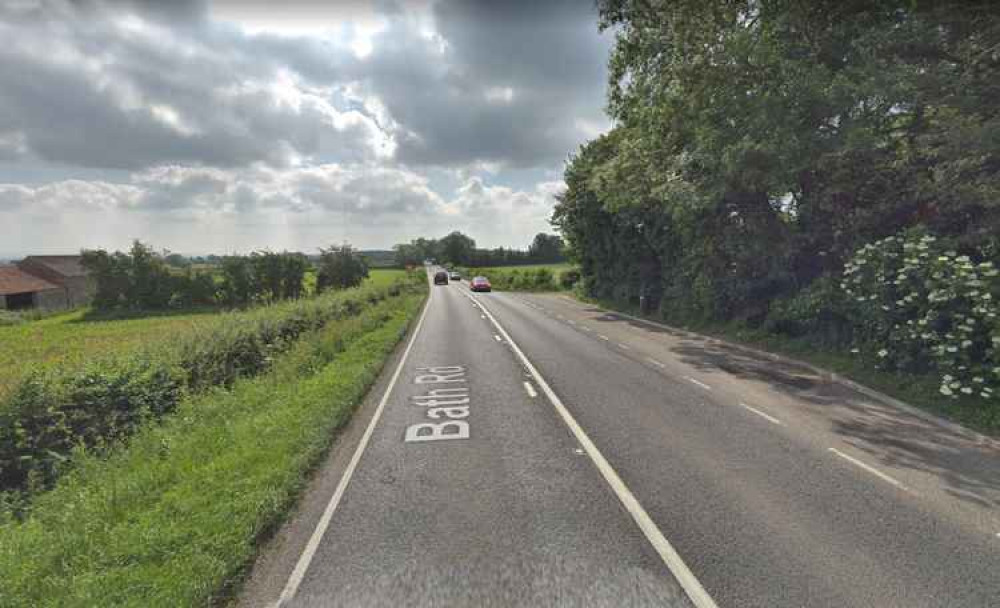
column 535, row 450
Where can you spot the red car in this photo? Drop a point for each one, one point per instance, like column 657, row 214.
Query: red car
column 480, row 284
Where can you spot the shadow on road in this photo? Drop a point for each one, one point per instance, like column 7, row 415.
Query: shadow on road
column 967, row 464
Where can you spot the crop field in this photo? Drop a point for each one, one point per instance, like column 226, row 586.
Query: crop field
column 75, row 337
column 70, row 339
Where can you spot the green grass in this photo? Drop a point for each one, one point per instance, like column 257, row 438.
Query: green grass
column 78, row 337
column 522, row 278
column 917, row 390
column 384, row 276
column 174, row 520
column 68, row 339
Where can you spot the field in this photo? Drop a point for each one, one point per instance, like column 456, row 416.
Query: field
column 140, row 528
column 77, row 337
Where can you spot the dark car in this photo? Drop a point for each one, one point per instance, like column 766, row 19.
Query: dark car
column 480, row 284
column 441, row 278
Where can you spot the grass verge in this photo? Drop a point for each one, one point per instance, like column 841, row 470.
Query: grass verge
column 173, row 519
column 916, row 390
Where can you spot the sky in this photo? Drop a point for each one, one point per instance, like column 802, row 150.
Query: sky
column 235, row 125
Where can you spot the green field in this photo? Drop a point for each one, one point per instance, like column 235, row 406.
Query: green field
column 76, row 337
column 175, row 517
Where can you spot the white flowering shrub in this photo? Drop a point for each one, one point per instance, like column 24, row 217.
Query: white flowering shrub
column 918, row 306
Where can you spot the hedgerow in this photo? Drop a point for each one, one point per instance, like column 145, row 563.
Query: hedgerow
column 174, row 519
column 54, row 411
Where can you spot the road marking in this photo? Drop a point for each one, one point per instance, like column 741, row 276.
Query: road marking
column 623, row 346
column 585, row 328
column 482, row 316
column 767, row 417
column 497, row 338
column 530, row 389
column 603, row 337
column 699, row 383
column 655, row 362
column 699, row 597
column 870, row 469
column 295, row 579
column 571, row 321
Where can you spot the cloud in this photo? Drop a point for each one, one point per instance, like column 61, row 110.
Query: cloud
column 240, row 124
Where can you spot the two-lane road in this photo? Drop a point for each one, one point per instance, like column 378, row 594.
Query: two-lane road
column 534, row 450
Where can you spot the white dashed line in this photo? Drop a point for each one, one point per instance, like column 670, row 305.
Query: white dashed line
column 870, row 469
column 603, row 337
column 655, row 362
column 497, row 338
column 692, row 587
column 763, row 415
column 699, row 383
column 530, row 389
column 623, row 346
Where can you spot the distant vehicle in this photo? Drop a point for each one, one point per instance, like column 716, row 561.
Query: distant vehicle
column 481, row 284
column 441, row 278
column 455, row 276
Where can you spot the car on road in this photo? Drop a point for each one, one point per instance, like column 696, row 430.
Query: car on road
column 454, row 276
column 481, row 284
column 441, row 278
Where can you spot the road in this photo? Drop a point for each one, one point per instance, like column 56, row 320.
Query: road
column 535, row 450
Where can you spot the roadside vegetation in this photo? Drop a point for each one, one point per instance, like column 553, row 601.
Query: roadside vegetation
column 819, row 176
column 71, row 339
column 174, row 519
column 50, row 413
column 535, row 277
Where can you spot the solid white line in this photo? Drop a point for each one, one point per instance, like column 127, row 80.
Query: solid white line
column 620, row 345
column 655, row 362
column 870, row 469
column 530, row 389
column 307, row 554
column 667, row 553
column 767, row 417
column 603, row 337
column 699, row 383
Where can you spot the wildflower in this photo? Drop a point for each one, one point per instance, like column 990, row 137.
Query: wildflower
column 945, row 390
column 966, row 390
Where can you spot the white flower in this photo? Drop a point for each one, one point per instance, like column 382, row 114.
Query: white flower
column 855, row 351
column 947, row 378
column 945, row 390
column 952, row 349
column 978, row 379
column 966, row 390
column 883, row 353
column 966, row 343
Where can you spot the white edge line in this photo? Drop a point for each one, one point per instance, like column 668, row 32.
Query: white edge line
column 699, row 383
column 530, row 389
column 870, row 469
column 762, row 414
column 295, row 579
column 668, row 554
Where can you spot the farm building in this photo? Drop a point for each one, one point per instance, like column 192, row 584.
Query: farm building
column 45, row 281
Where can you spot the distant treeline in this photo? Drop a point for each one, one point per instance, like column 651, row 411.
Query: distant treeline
column 459, row 249
column 143, row 279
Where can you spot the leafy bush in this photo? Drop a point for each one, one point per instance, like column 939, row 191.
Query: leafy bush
column 569, row 278
column 918, row 305
column 340, row 268
column 53, row 411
